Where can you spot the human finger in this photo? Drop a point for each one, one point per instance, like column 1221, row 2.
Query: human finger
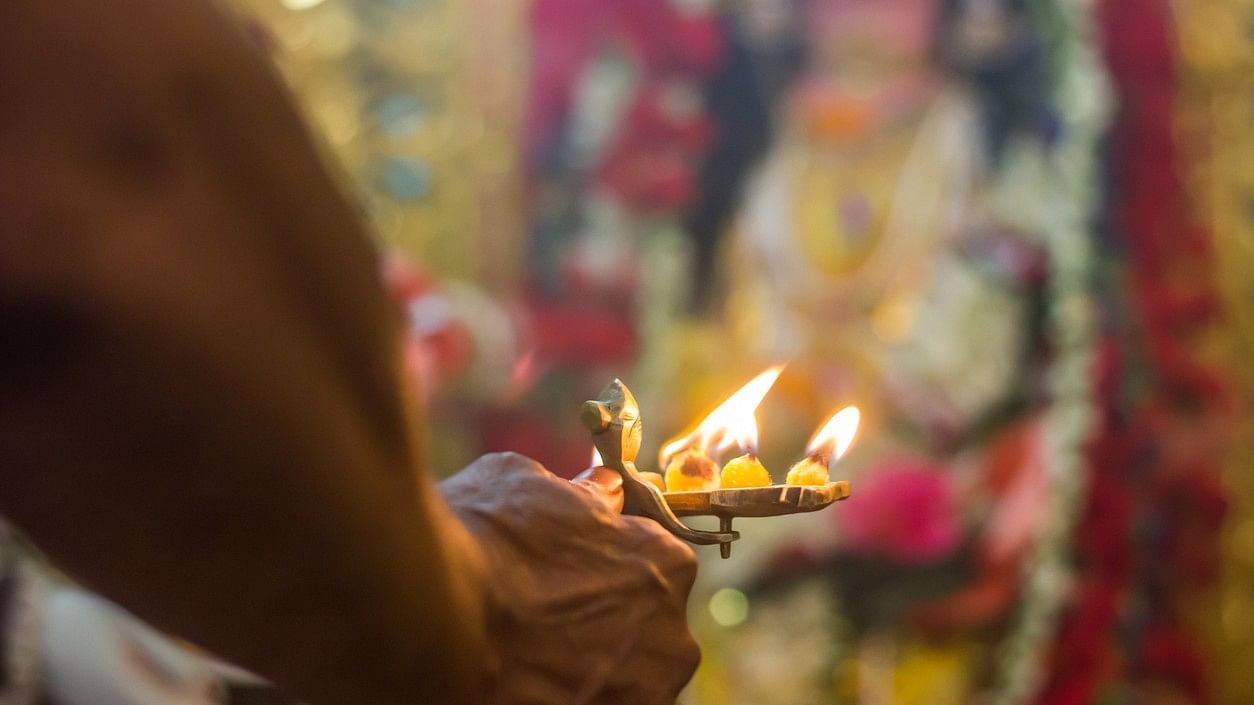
column 604, row 483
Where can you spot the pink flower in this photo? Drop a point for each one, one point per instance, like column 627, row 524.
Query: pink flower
column 905, row 509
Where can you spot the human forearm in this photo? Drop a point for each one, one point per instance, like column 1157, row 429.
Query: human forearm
column 233, row 489
column 199, row 406
column 347, row 624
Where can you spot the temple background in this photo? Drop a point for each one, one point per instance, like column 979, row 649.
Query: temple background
column 1016, row 233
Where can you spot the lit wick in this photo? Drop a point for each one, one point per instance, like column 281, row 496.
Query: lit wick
column 829, row 444
column 745, row 471
column 687, row 459
column 691, row 470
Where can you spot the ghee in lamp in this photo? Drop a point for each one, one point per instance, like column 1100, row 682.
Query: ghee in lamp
column 691, row 470
column 810, row 471
column 833, row 439
column 654, row 479
column 745, row 471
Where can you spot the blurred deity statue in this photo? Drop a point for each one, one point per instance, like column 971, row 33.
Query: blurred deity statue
column 880, row 234
column 892, row 245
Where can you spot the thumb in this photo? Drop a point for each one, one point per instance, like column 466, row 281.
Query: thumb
column 604, row 483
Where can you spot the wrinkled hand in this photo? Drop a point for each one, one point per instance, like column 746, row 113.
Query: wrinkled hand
column 588, row 606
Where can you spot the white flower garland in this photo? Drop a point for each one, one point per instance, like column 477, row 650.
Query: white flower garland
column 1081, row 96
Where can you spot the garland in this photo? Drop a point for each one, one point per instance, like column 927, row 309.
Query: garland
column 1152, row 390
column 1079, row 94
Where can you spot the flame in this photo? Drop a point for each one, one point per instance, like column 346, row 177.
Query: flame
column 596, row 458
column 837, row 434
column 730, row 424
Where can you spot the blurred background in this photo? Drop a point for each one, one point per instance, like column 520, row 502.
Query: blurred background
column 1018, row 234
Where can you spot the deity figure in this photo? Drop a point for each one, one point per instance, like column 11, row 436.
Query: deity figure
column 893, row 244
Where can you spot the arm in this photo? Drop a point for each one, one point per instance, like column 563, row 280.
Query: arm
column 199, row 414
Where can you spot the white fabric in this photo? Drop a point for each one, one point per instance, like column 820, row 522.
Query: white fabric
column 96, row 654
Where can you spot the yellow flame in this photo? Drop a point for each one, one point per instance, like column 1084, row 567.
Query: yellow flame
column 837, row 434
column 730, row 424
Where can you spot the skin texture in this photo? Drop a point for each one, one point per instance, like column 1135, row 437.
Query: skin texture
column 200, row 405
column 575, row 577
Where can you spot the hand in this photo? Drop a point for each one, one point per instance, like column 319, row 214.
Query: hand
column 587, row 606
